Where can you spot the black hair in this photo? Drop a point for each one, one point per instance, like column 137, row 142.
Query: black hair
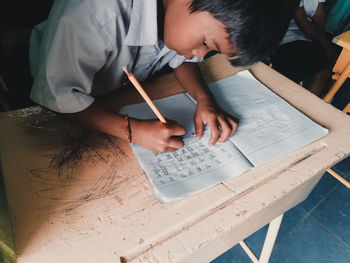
column 255, row 27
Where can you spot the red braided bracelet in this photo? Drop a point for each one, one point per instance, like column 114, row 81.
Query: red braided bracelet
column 127, row 128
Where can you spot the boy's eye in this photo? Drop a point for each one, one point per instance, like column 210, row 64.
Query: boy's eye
column 205, row 44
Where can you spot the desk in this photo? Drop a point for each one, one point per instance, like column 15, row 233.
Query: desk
column 75, row 196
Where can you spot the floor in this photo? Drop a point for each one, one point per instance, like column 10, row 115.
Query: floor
column 315, row 231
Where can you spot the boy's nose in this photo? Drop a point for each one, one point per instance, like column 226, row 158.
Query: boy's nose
column 189, row 56
column 199, row 53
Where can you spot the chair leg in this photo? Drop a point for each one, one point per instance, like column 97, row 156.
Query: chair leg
column 340, row 80
column 339, row 178
column 347, row 108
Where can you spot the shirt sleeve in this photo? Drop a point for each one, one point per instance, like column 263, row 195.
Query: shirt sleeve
column 72, row 47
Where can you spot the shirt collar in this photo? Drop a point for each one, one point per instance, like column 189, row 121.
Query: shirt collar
column 143, row 28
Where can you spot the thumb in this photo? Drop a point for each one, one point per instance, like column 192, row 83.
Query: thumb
column 175, row 129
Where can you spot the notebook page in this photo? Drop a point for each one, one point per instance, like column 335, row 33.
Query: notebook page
column 269, row 127
column 193, row 168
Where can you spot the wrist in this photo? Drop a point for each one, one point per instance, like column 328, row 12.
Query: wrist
column 127, row 128
column 133, row 126
column 206, row 99
column 204, row 96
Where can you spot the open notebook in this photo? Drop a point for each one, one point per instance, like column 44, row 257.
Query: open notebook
column 269, row 128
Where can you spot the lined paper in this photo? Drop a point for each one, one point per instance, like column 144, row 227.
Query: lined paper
column 269, row 128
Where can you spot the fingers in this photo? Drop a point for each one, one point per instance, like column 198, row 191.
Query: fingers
column 174, row 128
column 225, row 129
column 160, row 137
column 228, row 126
column 234, row 124
column 215, row 131
column 157, row 136
column 199, row 128
column 173, row 134
column 222, row 128
column 174, row 143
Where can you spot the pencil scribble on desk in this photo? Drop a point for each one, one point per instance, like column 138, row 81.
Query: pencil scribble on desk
column 76, row 146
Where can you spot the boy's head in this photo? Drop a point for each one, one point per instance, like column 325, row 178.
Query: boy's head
column 245, row 30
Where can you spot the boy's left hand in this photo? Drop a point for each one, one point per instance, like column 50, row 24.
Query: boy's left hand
column 221, row 124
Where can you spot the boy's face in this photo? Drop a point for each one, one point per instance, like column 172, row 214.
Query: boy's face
column 194, row 34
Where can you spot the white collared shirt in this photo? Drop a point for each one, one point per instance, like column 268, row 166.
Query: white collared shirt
column 79, row 52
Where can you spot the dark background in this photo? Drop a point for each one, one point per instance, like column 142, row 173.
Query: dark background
column 17, row 18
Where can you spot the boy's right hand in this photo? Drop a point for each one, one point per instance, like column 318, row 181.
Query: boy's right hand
column 157, row 136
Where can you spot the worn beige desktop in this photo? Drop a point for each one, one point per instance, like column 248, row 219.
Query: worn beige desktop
column 77, row 196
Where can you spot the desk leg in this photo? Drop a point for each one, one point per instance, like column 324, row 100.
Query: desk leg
column 270, row 239
column 269, row 242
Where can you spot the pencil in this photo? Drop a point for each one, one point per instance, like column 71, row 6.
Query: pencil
column 143, row 93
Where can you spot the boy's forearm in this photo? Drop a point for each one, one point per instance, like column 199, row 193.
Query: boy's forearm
column 189, row 76
column 97, row 118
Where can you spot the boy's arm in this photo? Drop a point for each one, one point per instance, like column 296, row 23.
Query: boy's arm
column 222, row 125
column 152, row 135
column 100, row 119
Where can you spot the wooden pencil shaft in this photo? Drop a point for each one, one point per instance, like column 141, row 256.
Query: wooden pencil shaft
column 144, row 95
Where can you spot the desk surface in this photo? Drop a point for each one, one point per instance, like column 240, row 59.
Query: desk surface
column 78, row 196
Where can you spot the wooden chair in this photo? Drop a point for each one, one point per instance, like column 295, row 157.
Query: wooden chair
column 331, row 171
column 341, row 71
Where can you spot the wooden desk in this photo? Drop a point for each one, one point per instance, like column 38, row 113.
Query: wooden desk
column 75, row 196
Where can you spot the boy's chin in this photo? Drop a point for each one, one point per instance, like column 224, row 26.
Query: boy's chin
column 170, row 44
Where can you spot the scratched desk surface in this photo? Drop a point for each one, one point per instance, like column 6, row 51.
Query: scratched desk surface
column 80, row 196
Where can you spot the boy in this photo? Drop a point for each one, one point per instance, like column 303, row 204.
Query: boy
column 78, row 54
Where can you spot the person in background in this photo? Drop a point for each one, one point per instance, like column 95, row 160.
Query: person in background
column 306, row 52
column 338, row 18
